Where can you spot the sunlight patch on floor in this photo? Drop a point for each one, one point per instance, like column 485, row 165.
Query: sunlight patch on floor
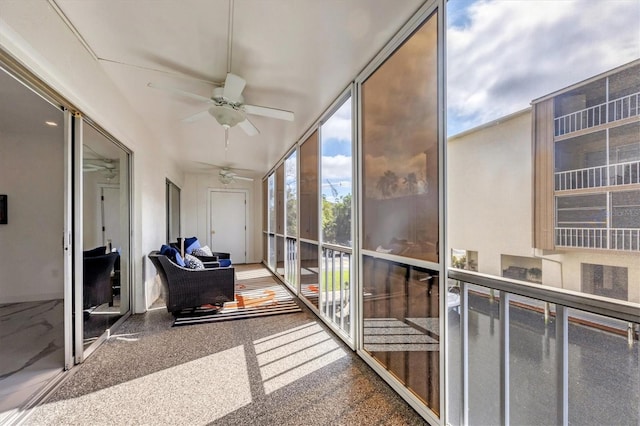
column 289, row 356
column 191, row 393
column 252, row 273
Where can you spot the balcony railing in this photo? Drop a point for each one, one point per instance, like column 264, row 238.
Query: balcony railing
column 500, row 340
column 291, row 261
column 608, row 112
column 335, row 286
column 625, row 239
column 591, row 177
column 593, row 238
column 624, row 173
column 594, row 177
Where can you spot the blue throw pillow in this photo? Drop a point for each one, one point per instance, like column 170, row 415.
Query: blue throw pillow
column 178, row 259
column 190, row 244
column 224, row 262
column 172, row 254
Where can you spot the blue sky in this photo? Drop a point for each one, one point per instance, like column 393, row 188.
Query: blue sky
column 502, row 54
column 336, row 152
column 457, row 15
column 335, row 146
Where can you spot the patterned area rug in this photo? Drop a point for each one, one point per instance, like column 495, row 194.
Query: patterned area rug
column 255, row 297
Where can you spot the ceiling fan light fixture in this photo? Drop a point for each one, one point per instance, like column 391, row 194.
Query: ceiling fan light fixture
column 226, row 116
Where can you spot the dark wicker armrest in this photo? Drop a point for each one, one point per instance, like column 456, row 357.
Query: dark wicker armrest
column 222, row 255
column 207, row 258
column 211, row 265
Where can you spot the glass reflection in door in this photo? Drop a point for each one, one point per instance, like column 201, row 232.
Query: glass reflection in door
column 105, row 233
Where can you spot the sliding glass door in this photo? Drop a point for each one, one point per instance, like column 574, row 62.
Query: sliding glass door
column 104, row 230
column 34, row 256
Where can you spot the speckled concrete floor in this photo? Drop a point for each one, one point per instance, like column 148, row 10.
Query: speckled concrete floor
column 279, row 370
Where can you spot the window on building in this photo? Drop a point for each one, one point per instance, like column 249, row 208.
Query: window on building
column 607, row 281
column 464, row 259
column 522, row 268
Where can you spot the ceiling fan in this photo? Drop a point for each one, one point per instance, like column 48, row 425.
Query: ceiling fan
column 98, row 164
column 228, row 107
column 226, row 176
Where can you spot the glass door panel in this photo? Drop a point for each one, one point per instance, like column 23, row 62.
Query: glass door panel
column 35, row 313
column 105, row 234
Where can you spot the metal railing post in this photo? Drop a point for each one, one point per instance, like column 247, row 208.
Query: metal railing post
column 504, row 358
column 562, row 365
column 464, row 349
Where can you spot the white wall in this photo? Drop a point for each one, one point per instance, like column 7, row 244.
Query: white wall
column 36, row 36
column 31, row 253
column 195, row 202
column 489, row 191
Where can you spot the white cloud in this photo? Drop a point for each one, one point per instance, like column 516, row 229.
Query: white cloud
column 336, row 168
column 510, row 52
column 339, row 125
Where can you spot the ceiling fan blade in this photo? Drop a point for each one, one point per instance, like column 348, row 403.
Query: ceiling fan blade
column 195, row 117
column 248, row 127
column 88, row 167
column 233, row 87
column 280, row 114
column 243, row 178
column 223, row 166
column 179, row 92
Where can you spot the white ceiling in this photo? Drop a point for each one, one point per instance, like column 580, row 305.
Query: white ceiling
column 297, row 55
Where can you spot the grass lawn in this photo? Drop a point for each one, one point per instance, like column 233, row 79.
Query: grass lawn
column 326, row 284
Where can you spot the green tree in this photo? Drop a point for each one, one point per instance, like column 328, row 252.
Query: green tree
column 336, row 220
column 292, row 213
column 328, row 219
column 342, row 213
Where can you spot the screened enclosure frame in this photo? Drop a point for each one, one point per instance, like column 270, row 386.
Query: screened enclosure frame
column 430, row 9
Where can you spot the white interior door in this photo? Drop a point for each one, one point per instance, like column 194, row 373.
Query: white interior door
column 228, row 225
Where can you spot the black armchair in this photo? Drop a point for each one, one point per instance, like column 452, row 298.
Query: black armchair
column 189, row 288
column 96, row 281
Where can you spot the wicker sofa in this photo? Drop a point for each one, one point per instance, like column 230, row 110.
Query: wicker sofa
column 189, row 288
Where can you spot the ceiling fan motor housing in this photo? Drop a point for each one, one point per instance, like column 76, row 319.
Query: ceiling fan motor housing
column 226, row 115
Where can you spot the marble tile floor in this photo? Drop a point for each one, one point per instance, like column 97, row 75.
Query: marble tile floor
column 278, row 370
column 31, row 352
